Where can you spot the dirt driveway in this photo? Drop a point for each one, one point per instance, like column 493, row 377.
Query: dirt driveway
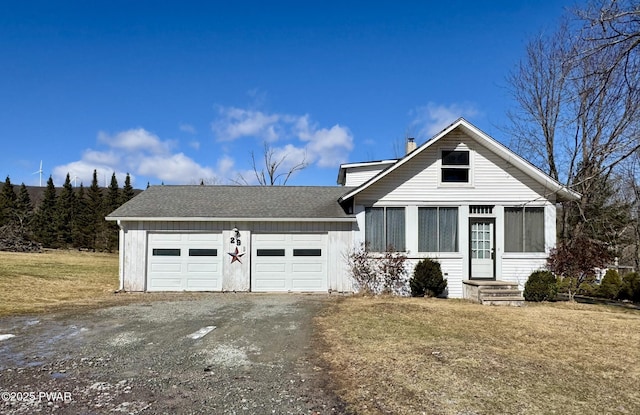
column 217, row 354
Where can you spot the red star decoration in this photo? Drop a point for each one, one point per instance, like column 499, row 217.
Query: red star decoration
column 235, row 256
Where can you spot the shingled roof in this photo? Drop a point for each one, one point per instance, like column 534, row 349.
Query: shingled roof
column 235, row 202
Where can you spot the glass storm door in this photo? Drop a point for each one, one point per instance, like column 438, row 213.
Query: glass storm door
column 482, row 249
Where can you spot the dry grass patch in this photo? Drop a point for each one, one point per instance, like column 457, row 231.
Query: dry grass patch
column 67, row 280
column 35, row 282
column 412, row 356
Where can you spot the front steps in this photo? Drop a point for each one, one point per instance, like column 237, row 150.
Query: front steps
column 489, row 292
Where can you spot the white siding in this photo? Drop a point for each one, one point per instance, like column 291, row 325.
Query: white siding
column 493, row 179
column 133, row 254
column 355, row 176
column 452, row 271
column 518, row 269
column 494, row 182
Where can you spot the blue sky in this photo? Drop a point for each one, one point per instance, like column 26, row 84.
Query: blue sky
column 176, row 92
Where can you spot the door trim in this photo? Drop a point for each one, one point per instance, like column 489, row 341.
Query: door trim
column 493, row 248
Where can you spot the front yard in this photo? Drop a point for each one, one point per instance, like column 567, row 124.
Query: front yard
column 412, row 356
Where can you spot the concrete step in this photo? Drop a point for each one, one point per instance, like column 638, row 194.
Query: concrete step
column 516, row 301
column 507, row 294
column 500, row 292
column 498, row 287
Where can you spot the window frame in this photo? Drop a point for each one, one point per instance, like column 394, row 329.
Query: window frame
column 468, row 168
column 385, row 224
column 508, row 245
column 438, row 225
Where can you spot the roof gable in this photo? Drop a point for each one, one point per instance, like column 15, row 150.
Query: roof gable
column 563, row 193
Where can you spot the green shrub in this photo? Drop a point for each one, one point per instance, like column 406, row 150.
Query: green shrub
column 610, row 285
column 589, row 289
column 541, row 286
column 427, row 279
column 630, row 288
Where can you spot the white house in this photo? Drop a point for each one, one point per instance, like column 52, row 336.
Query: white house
column 482, row 211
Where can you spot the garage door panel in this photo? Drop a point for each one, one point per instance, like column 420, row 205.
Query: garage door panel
column 307, row 237
column 165, row 237
column 307, row 285
column 204, row 284
column 210, row 268
column 316, row 267
column 204, row 237
column 269, row 237
column 168, row 284
column 276, row 284
column 302, row 265
column 270, row 267
column 184, row 261
column 166, row 267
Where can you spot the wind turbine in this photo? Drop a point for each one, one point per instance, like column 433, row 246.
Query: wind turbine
column 39, row 171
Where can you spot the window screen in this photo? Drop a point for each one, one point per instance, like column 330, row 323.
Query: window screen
column 438, row 229
column 385, row 227
column 524, row 229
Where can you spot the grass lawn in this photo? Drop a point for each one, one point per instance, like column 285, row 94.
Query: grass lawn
column 413, row 356
column 35, row 282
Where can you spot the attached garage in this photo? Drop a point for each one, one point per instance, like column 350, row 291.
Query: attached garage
column 184, row 261
column 289, row 262
column 235, row 238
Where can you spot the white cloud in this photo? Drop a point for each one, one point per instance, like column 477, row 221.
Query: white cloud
column 81, row 171
column 138, row 152
column 237, row 122
column 195, row 145
column 330, row 147
column 188, row 128
column 176, row 168
column 325, row 147
column 433, row 118
column 137, row 139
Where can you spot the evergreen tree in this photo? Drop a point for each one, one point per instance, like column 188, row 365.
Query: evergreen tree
column 127, row 190
column 94, row 204
column 45, row 226
column 7, row 203
column 24, row 210
column 113, row 196
column 64, row 214
column 82, row 221
column 112, row 203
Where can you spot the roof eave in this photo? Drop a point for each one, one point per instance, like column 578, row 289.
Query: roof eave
column 228, row 219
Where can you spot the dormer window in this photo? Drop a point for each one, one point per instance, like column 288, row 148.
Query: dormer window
column 455, row 166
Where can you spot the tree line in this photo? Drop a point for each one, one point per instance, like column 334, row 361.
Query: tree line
column 65, row 218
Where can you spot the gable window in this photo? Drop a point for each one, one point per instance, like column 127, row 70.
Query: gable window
column 455, row 166
column 384, row 227
column 523, row 229
column 438, row 229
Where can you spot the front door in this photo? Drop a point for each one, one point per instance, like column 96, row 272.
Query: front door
column 481, row 243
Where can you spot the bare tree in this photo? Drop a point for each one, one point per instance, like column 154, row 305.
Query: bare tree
column 538, row 87
column 275, row 171
column 578, row 113
column 613, row 26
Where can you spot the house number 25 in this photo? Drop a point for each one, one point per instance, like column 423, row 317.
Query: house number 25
column 235, row 241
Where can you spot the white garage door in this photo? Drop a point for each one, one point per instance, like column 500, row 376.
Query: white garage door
column 185, row 262
column 289, row 262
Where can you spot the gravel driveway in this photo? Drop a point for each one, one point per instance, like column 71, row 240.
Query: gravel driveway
column 217, row 354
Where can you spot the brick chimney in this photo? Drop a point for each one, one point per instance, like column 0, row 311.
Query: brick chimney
column 411, row 144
